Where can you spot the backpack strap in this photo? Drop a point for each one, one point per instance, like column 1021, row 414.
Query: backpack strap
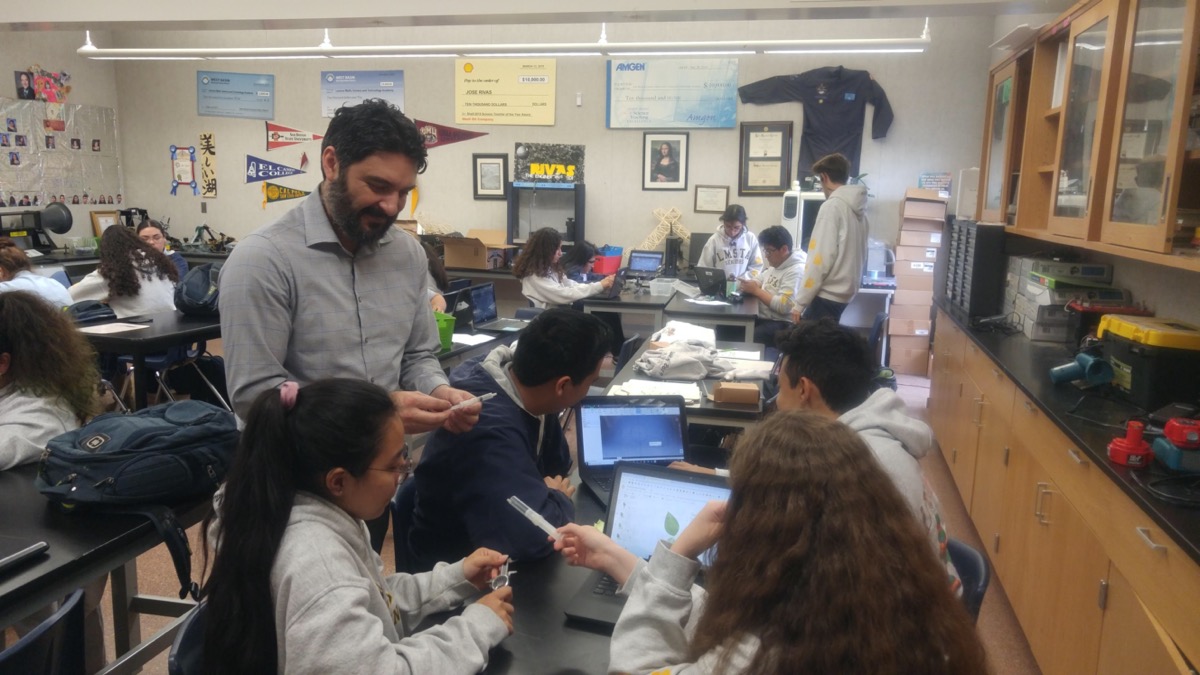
column 175, row 537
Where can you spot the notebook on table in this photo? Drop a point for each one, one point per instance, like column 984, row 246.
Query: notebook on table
column 483, row 305
column 641, row 429
column 15, row 550
column 644, row 265
column 649, row 504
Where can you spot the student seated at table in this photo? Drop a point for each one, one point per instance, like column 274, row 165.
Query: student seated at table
column 155, row 233
column 829, row 369
column 16, row 274
column 577, row 262
column 48, row 386
column 133, row 277
column 516, row 448
column 295, row 586
column 437, row 282
column 775, row 288
column 546, row 284
column 818, row 569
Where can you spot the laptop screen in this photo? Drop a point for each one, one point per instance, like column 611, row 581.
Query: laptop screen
column 650, row 506
column 611, row 429
column 483, row 302
column 645, row 261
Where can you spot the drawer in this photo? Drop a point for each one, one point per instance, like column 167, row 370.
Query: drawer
column 1069, row 466
column 995, row 386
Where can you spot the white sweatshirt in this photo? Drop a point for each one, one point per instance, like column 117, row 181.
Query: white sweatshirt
column 157, row 294
column 781, row 282
column 837, row 251
column 740, row 256
column 27, row 423
column 44, row 287
column 554, row 290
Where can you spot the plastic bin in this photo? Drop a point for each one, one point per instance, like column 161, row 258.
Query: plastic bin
column 662, row 286
column 607, row 264
column 445, row 325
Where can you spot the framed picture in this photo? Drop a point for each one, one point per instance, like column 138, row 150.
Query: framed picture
column 711, row 198
column 765, row 158
column 490, row 176
column 664, row 160
column 102, row 220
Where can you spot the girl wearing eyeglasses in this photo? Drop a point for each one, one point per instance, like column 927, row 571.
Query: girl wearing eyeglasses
column 295, row 586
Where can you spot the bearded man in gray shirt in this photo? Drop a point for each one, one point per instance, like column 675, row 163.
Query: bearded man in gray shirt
column 332, row 289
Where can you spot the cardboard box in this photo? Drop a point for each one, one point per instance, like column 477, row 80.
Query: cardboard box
column 918, row 312
column 480, row 249
column 919, row 253
column 918, row 327
column 913, row 268
column 913, row 297
column 920, row 238
column 922, row 204
column 736, row 392
column 909, row 355
column 913, row 223
column 913, row 282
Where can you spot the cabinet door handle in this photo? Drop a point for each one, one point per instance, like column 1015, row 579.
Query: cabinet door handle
column 978, row 419
column 1037, row 502
column 1029, row 406
column 1144, row 533
column 996, row 373
column 1102, row 597
column 1006, row 449
column 1087, row 203
column 1079, row 459
column 1042, row 516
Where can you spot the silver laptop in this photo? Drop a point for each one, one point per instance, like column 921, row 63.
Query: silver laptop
column 483, row 305
column 649, row 504
column 611, row 429
column 644, row 264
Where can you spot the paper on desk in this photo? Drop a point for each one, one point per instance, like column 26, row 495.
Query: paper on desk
column 106, row 328
column 744, row 369
column 739, row 355
column 702, row 301
column 469, row 340
column 688, row 390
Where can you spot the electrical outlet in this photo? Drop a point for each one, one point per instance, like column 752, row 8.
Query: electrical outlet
column 203, row 207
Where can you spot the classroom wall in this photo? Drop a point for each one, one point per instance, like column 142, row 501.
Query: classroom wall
column 937, row 97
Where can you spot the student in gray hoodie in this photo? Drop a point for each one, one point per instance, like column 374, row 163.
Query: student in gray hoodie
column 817, row 570
column 295, row 586
column 837, row 250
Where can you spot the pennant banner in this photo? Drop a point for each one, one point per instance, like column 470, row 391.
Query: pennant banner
column 260, row 169
column 279, row 136
column 278, row 193
column 439, row 134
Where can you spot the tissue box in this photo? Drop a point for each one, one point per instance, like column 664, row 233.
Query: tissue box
column 736, row 392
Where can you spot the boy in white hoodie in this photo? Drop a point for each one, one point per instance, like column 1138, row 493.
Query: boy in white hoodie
column 733, row 248
column 837, row 250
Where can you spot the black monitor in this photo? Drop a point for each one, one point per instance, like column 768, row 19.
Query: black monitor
column 699, row 239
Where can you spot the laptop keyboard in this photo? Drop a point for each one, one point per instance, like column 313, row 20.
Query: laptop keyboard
column 606, row 586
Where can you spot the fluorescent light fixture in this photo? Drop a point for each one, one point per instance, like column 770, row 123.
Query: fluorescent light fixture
column 602, row 47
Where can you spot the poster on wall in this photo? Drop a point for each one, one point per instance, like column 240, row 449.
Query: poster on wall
column 505, row 91
column 351, row 87
column 548, row 163
column 73, row 160
column 245, row 95
column 672, row 93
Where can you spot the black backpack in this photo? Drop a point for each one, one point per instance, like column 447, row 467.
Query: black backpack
column 138, row 462
column 86, row 312
column 197, row 291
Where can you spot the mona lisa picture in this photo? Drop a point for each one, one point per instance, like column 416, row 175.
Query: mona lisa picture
column 664, row 161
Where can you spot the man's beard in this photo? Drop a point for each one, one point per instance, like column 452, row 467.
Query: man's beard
column 350, row 222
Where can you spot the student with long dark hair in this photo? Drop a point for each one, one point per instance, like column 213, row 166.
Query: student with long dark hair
column 542, row 278
column 819, row 569
column 133, row 277
column 295, row 586
column 577, row 262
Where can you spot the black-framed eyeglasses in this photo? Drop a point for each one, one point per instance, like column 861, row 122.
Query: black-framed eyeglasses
column 404, row 469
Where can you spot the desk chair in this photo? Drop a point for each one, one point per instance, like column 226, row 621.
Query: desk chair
column 187, row 651
column 402, row 509
column 877, row 333
column 973, row 570
column 177, row 357
column 55, row 647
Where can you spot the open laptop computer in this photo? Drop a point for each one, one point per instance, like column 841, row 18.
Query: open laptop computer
column 14, row 550
column 640, row 429
column 649, row 504
column 483, row 304
column 644, row 265
column 614, row 291
column 711, row 281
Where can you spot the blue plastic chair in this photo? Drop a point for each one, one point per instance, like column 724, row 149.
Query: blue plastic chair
column 176, row 357
column 973, row 569
column 55, row 647
column 187, row 651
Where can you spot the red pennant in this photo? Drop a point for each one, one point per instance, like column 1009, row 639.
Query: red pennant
column 279, row 136
column 439, row 134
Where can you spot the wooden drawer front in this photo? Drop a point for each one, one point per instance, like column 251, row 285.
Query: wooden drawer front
column 997, row 389
column 948, row 344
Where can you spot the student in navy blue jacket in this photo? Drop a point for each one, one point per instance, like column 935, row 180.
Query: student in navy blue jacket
column 516, row 448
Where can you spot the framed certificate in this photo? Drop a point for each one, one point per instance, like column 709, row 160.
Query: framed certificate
column 765, row 158
column 711, row 198
column 102, row 220
column 491, row 176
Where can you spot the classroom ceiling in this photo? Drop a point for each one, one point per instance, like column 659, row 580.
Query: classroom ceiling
column 133, row 15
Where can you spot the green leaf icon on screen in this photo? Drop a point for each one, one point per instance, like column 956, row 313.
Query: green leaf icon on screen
column 671, row 525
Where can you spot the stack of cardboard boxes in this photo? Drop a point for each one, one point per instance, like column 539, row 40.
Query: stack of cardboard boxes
column 922, row 217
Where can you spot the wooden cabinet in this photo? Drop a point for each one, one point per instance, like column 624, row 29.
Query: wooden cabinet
column 1131, row 640
column 991, row 457
column 1002, row 136
column 1150, row 161
column 962, row 442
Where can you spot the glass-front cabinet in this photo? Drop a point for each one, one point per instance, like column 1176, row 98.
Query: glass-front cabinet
column 1002, row 144
column 1154, row 185
column 1084, row 132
